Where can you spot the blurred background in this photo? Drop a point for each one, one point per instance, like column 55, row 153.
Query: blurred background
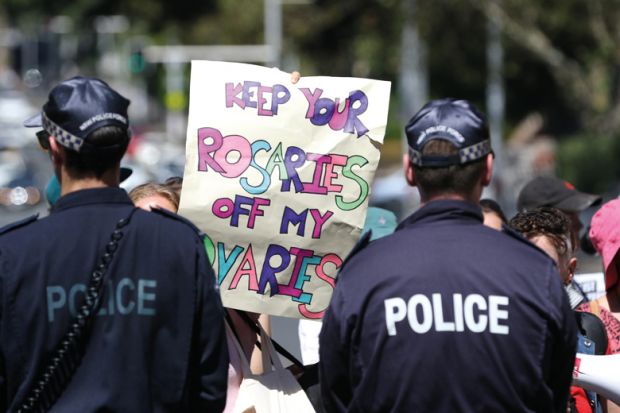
column 548, row 76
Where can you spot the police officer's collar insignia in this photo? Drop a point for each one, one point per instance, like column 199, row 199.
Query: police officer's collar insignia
column 19, row 224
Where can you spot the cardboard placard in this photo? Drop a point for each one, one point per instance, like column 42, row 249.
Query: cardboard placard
column 278, row 176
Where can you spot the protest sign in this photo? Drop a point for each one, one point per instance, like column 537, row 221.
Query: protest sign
column 278, row 176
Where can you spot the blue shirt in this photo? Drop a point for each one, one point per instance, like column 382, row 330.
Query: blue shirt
column 157, row 343
column 447, row 315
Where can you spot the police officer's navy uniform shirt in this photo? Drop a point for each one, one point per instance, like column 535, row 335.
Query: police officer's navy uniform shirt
column 447, row 315
column 157, row 344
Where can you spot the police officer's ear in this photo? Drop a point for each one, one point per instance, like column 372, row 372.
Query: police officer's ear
column 57, row 153
column 487, row 175
column 409, row 172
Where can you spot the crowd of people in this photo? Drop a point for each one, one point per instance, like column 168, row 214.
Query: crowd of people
column 109, row 307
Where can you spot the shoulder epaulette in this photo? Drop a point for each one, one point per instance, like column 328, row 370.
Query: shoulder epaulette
column 177, row 217
column 19, row 224
column 361, row 244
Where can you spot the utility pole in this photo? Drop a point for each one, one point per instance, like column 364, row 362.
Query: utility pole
column 413, row 79
column 273, row 30
column 413, row 68
column 496, row 98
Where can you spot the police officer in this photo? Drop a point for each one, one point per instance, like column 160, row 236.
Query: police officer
column 446, row 314
column 104, row 307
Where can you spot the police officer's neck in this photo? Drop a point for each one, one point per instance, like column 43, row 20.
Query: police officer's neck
column 449, row 197
column 69, row 183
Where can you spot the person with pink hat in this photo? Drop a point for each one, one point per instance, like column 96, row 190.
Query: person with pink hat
column 605, row 237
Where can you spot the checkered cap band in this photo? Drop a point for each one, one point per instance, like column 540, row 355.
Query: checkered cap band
column 468, row 154
column 62, row 136
column 475, row 152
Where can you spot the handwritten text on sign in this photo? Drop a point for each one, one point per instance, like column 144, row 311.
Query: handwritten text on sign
column 280, row 182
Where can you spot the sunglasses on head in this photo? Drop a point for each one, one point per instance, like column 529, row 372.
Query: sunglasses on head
column 43, row 137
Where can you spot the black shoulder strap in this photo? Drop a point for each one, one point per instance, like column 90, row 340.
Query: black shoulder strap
column 276, row 345
column 68, row 354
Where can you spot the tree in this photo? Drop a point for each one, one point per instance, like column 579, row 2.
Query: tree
column 579, row 44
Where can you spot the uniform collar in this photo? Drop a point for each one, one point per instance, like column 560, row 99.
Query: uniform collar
column 442, row 210
column 106, row 195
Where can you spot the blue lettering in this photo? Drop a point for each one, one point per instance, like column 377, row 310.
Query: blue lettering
column 55, row 304
column 77, row 288
column 121, row 298
column 125, row 309
column 144, row 296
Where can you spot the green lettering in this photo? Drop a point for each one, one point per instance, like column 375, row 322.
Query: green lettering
column 276, row 159
column 347, row 171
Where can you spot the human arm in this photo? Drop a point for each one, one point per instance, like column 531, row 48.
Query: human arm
column 256, row 361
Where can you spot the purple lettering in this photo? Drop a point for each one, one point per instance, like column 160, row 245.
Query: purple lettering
column 294, row 158
column 232, row 92
column 311, row 97
column 209, row 140
column 223, row 207
column 319, row 220
column 290, row 288
column 291, row 217
column 323, row 110
column 255, row 210
column 262, row 90
column 339, row 118
column 268, row 273
column 353, row 123
column 280, row 96
column 249, row 94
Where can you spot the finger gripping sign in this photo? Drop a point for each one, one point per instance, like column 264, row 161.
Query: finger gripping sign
column 278, row 175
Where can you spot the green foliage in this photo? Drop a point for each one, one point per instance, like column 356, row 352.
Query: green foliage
column 158, row 15
column 590, row 162
column 363, row 38
column 236, row 22
column 455, row 34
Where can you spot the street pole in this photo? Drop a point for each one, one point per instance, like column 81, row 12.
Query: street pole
column 495, row 98
column 273, row 30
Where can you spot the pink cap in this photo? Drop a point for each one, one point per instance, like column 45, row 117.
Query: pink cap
column 605, row 236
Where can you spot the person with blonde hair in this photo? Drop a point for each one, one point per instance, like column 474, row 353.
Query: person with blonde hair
column 153, row 195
